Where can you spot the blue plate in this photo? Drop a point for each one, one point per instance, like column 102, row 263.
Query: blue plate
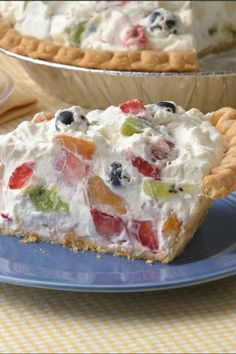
column 210, row 255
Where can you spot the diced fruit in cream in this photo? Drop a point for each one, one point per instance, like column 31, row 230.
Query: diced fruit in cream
column 161, row 150
column 42, row 116
column 168, row 106
column 64, row 117
column 144, row 231
column 6, row 217
column 83, row 147
column 77, row 33
column 164, row 21
column 73, row 118
column 135, row 36
column 146, row 168
column 21, row 176
column 157, row 189
column 115, row 174
column 133, row 107
column 46, row 199
column 70, row 167
column 133, row 125
column 105, row 224
column 172, row 224
column 100, row 195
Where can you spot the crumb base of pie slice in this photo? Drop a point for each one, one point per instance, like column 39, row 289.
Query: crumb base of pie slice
column 85, row 243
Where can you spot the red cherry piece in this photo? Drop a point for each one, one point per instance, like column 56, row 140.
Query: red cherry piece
column 106, row 225
column 135, row 36
column 143, row 231
column 5, row 216
column 146, row 168
column 171, row 145
column 133, row 107
column 70, row 167
column 161, row 149
column 21, row 176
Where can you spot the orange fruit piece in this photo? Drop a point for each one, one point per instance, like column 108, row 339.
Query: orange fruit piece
column 76, row 145
column 99, row 194
column 42, row 116
column 70, row 167
column 172, row 224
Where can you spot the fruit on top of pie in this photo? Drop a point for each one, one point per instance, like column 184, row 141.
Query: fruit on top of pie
column 71, row 119
column 133, row 194
column 164, row 21
column 76, row 145
column 133, row 107
column 168, row 106
column 135, row 36
column 64, row 117
column 42, row 116
column 134, row 125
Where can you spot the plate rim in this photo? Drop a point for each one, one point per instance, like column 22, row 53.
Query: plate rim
column 219, row 273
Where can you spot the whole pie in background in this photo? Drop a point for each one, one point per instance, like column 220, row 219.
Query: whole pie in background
column 119, row 35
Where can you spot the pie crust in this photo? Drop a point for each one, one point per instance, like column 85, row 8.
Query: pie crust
column 222, row 179
column 218, row 184
column 146, row 60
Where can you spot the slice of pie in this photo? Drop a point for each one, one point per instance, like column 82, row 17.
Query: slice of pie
column 134, row 180
column 119, row 35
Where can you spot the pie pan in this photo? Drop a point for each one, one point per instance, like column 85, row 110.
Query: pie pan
column 209, row 89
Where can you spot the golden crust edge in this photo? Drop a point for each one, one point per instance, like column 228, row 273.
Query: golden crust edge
column 146, row 60
column 222, row 179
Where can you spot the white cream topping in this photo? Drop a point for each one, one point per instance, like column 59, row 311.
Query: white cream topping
column 105, row 24
column 196, row 148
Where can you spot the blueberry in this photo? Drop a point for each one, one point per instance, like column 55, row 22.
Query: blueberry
column 64, row 117
column 165, row 21
column 154, row 15
column 168, row 106
column 115, row 174
column 170, row 23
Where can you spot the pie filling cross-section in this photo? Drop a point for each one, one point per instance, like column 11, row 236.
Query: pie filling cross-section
column 134, row 180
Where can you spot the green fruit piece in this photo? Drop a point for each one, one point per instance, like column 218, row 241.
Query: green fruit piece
column 157, row 189
column 46, row 199
column 132, row 126
column 78, row 32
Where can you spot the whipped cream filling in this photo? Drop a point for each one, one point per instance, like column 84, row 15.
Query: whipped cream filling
column 125, row 25
column 189, row 146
